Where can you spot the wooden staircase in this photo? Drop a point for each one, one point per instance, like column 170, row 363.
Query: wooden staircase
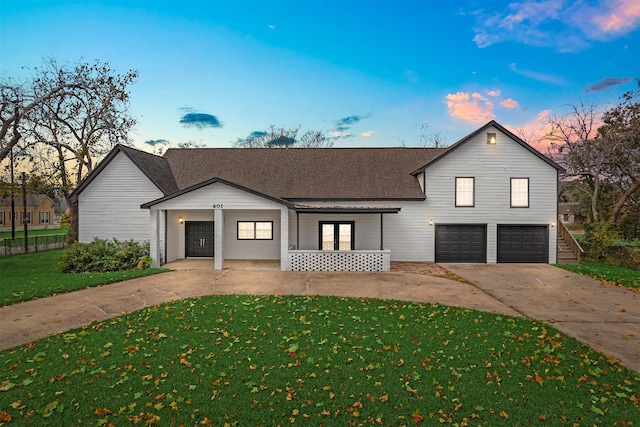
column 569, row 250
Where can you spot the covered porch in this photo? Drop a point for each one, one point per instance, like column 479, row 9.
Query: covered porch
column 339, row 238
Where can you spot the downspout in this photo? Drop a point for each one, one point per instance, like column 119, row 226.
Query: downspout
column 166, row 223
column 381, row 231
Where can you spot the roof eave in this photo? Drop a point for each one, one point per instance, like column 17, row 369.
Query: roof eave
column 214, row 180
column 502, row 129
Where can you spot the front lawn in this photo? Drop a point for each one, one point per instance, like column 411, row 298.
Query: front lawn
column 27, row 276
column 280, row 360
column 620, row 276
column 20, row 232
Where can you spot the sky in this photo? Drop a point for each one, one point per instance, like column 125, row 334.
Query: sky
column 367, row 73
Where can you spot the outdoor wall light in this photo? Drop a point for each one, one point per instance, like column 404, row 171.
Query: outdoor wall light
column 553, row 224
column 181, row 220
column 491, row 138
column 430, row 223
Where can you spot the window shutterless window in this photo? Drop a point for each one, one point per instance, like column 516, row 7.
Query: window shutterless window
column 255, row 230
column 1, row 218
column 465, row 192
column 44, row 217
column 25, row 218
column 337, row 235
column 519, row 192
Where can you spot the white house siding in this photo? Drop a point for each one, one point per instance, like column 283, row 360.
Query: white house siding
column 367, row 229
column 198, row 205
column 405, row 234
column 109, row 207
column 492, row 166
column 250, row 249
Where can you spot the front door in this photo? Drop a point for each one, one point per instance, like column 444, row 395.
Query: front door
column 198, row 238
column 337, row 236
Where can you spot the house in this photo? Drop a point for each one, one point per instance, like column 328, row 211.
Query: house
column 488, row 198
column 569, row 213
column 39, row 214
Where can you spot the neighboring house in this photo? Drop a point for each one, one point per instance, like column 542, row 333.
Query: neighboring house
column 569, row 213
column 488, row 198
column 61, row 210
column 39, row 214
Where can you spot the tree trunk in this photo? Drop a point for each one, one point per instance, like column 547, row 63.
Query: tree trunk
column 594, row 200
column 617, row 208
column 73, row 233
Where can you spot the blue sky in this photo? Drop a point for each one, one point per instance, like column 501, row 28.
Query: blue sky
column 367, row 73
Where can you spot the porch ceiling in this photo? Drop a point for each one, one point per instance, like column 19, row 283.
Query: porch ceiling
column 345, row 210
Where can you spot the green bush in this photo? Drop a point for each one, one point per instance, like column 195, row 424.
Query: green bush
column 599, row 238
column 101, row 256
column 624, row 256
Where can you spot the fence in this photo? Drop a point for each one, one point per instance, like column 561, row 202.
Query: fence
column 35, row 243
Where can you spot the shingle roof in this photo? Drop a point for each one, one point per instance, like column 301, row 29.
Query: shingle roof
column 154, row 167
column 307, row 174
column 32, row 200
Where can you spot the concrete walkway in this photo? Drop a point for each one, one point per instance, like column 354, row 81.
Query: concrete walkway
column 606, row 317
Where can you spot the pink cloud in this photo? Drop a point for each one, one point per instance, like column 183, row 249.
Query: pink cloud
column 618, row 16
column 366, row 134
column 509, row 103
column 494, row 93
column 472, row 107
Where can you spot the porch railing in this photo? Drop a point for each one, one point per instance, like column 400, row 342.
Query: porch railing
column 359, row 260
column 567, row 237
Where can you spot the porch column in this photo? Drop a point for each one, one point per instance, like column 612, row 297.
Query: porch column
column 284, row 239
column 154, row 244
column 218, row 228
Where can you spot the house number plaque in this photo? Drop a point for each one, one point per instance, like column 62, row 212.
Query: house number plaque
column 217, row 206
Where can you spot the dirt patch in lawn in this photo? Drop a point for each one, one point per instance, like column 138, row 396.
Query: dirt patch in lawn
column 426, row 269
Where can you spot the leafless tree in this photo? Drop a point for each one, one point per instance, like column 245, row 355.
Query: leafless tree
column 275, row 137
column 70, row 115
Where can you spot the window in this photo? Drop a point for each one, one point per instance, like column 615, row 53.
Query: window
column 1, row 218
column 255, row 230
column 464, row 192
column 565, row 217
column 25, row 218
column 519, row 192
column 337, row 235
column 44, row 217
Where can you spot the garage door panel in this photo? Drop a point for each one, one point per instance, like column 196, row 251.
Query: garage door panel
column 523, row 243
column 461, row 243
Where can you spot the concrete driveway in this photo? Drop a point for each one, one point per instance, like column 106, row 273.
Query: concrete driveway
column 605, row 317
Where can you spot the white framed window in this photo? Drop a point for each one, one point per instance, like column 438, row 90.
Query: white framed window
column 1, row 218
column 465, row 189
column 519, row 192
column 44, row 217
column 255, row 230
column 25, row 218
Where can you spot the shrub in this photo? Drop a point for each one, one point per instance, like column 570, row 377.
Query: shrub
column 599, row 238
column 101, row 256
column 624, row 256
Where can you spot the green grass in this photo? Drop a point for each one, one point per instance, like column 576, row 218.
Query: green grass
column 607, row 273
column 27, row 276
column 274, row 360
column 20, row 232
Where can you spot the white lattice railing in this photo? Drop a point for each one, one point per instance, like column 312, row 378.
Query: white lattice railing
column 340, row 260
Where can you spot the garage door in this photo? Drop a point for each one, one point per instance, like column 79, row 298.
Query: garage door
column 461, row 243
column 523, row 243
